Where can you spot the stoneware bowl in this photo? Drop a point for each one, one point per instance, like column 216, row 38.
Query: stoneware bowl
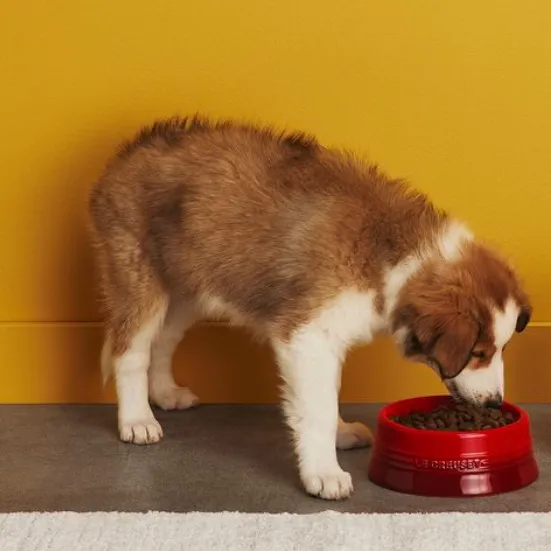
column 450, row 463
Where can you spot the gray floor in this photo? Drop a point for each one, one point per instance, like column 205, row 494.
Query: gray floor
column 213, row 458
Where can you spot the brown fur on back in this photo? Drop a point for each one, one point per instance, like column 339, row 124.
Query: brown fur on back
column 270, row 224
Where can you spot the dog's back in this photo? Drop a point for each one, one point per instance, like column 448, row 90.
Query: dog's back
column 241, row 219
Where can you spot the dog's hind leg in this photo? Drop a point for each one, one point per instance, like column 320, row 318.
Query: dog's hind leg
column 163, row 390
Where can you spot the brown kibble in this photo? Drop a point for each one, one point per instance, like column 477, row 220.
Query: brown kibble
column 457, row 417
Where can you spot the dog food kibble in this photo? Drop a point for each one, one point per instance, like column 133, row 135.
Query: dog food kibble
column 457, row 417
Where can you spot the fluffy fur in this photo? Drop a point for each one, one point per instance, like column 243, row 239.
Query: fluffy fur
column 308, row 247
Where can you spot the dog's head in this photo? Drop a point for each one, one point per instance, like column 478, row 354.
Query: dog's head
column 458, row 318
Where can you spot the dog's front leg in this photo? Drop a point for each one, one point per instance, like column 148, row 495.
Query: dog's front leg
column 353, row 435
column 310, row 365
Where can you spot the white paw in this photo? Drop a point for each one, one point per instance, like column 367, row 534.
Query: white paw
column 334, row 485
column 175, row 397
column 353, row 435
column 147, row 431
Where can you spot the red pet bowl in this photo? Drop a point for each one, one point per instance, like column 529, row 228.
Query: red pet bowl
column 451, row 463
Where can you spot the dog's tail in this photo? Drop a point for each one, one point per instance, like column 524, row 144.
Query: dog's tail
column 106, row 361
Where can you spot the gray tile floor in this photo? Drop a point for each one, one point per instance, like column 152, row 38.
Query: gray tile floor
column 213, row 458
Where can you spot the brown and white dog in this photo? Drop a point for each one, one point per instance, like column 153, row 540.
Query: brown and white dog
column 308, row 247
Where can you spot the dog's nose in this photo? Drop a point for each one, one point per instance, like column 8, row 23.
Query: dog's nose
column 494, row 402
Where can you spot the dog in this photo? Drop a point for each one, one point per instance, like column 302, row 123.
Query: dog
column 312, row 249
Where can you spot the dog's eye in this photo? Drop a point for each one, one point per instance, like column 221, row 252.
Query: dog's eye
column 478, row 354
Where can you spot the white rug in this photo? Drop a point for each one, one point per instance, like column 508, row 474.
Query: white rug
column 239, row 531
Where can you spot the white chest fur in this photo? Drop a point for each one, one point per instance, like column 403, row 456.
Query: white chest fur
column 349, row 318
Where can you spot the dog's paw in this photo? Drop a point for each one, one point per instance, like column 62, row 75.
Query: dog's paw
column 334, row 485
column 146, row 431
column 174, row 397
column 353, row 435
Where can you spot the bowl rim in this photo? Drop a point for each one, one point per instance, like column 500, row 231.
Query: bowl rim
column 521, row 418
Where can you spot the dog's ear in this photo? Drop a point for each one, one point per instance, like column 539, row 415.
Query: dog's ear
column 448, row 341
column 523, row 318
column 452, row 350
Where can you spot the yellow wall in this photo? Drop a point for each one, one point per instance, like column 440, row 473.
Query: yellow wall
column 454, row 96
